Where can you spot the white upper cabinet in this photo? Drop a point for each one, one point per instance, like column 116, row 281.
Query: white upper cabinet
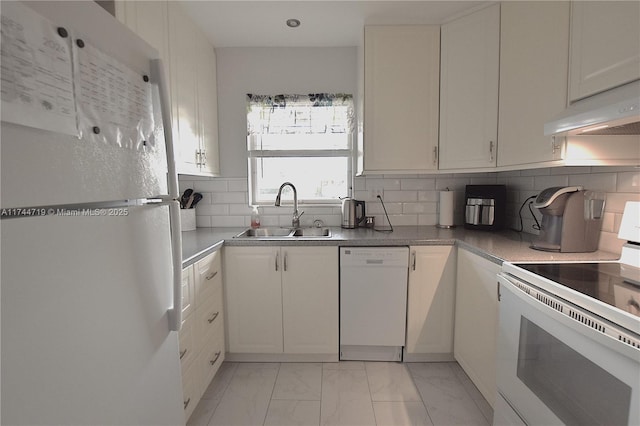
column 401, row 74
column 534, row 41
column 190, row 66
column 207, row 96
column 469, row 90
column 182, row 37
column 605, row 46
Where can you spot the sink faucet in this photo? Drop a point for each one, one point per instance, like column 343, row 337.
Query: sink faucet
column 295, row 221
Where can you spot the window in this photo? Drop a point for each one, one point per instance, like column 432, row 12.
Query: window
column 302, row 139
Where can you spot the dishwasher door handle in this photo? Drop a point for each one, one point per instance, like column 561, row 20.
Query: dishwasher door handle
column 375, row 261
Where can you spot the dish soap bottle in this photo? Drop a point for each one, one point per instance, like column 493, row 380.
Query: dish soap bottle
column 255, row 218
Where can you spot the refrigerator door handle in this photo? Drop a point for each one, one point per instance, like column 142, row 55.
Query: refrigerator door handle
column 175, row 313
column 158, row 77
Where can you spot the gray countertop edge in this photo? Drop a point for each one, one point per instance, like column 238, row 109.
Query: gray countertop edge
column 494, row 246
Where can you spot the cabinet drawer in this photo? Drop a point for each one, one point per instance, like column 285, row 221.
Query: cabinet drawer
column 186, row 339
column 211, row 357
column 208, row 276
column 188, row 287
column 209, row 317
column 191, row 389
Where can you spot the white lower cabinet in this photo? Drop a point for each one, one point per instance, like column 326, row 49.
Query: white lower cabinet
column 476, row 321
column 282, row 301
column 201, row 337
column 430, row 304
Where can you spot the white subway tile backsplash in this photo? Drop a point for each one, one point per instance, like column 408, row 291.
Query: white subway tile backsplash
column 403, row 220
column 608, row 222
column 203, row 221
column 542, row 182
column 604, row 182
column 572, row 170
column 413, row 199
column 375, row 208
column 238, row 185
column 419, row 184
column 400, row 196
column 452, row 184
column 615, row 202
column 419, row 208
column 212, row 209
column 230, row 197
column 240, row 210
column 535, row 172
column 628, row 181
column 427, row 219
column 381, row 183
column 214, row 185
column 229, row 221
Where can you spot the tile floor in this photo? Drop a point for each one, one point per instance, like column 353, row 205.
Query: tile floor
column 341, row 394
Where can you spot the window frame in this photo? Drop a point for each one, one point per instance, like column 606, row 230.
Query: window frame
column 255, row 155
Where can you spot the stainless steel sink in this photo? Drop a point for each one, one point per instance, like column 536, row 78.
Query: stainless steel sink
column 312, row 232
column 265, row 232
column 285, row 233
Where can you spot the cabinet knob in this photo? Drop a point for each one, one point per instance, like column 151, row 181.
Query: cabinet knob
column 491, row 143
column 183, row 353
column 211, row 275
column 186, row 403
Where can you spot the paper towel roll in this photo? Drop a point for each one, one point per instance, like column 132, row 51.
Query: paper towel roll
column 446, row 199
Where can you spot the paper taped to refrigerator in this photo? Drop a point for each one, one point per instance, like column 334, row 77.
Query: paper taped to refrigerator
column 114, row 102
column 54, row 79
column 37, row 82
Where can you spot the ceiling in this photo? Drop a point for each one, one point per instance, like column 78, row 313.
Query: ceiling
column 323, row 23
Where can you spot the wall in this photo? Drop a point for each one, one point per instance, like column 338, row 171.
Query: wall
column 272, row 71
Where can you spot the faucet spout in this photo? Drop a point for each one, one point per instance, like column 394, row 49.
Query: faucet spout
column 295, row 221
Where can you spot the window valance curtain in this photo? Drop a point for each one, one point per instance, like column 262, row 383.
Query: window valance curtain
column 315, row 113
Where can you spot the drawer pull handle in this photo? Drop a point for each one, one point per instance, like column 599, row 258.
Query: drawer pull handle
column 213, row 361
column 186, row 403
column 213, row 318
column 211, row 275
column 183, row 353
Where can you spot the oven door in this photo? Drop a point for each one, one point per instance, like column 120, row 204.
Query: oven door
column 553, row 369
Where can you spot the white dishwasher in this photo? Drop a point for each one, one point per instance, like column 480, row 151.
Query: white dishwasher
column 373, row 302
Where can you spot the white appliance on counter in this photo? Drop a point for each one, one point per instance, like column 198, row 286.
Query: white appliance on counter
column 91, row 260
column 569, row 339
column 373, row 302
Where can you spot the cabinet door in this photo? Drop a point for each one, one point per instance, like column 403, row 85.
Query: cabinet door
column 469, row 90
column 476, row 321
column 431, row 300
column 605, row 46
column 534, row 40
column 208, row 276
column 188, row 289
column 401, row 98
column 208, row 109
column 310, row 300
column 182, row 34
column 150, row 20
column 253, row 299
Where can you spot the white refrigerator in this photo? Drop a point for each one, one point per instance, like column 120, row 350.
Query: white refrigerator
column 90, row 236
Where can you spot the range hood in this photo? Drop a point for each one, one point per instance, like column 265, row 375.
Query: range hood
column 614, row 112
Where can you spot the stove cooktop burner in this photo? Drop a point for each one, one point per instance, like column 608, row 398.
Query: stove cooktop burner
column 610, row 283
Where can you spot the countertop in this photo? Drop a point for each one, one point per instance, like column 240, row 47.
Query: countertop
column 496, row 246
